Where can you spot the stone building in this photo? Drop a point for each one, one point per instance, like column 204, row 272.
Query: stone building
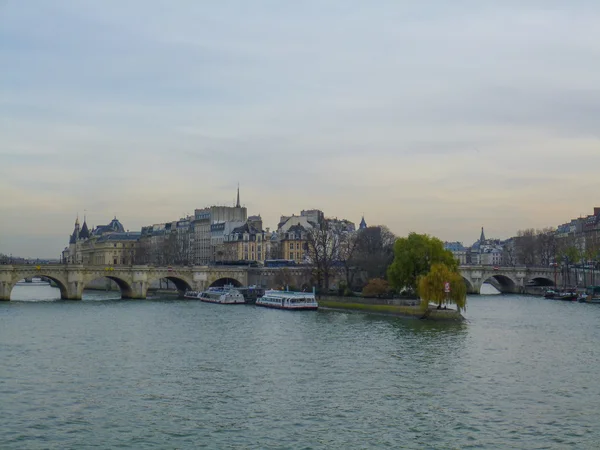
column 203, row 250
column 104, row 245
column 247, row 242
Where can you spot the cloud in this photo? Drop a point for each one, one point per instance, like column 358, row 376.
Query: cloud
column 427, row 116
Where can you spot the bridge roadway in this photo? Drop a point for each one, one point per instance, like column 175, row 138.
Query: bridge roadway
column 135, row 280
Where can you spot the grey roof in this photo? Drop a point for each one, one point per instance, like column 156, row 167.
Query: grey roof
column 113, row 227
column 85, row 232
column 129, row 236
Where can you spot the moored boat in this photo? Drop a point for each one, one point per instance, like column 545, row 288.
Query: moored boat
column 550, row 293
column 295, row 301
column 226, row 295
column 592, row 295
column 568, row 296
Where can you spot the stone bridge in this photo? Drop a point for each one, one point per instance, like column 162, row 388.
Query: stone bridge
column 509, row 279
column 133, row 281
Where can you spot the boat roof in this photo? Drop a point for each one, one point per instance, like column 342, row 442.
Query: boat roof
column 288, row 293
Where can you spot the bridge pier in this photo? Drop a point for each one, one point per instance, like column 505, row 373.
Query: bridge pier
column 5, row 289
column 138, row 290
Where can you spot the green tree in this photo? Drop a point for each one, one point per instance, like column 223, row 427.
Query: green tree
column 413, row 257
column 432, row 287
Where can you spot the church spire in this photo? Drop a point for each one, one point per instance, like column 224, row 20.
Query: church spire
column 237, row 205
column 482, row 237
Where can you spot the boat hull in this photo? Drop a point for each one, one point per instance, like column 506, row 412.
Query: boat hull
column 288, row 308
column 221, row 302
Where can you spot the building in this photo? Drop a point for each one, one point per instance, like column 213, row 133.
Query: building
column 485, row 251
column 362, row 224
column 247, row 242
column 203, row 251
column 458, row 250
column 104, row 245
column 292, row 235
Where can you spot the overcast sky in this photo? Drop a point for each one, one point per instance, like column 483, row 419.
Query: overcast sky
column 428, row 116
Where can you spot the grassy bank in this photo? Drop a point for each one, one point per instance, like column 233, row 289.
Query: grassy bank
column 371, row 306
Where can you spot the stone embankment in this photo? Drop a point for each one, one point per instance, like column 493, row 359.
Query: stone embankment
column 394, row 307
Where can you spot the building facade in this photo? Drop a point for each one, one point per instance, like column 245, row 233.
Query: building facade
column 104, row 245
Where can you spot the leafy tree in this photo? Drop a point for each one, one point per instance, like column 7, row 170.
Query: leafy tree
column 376, row 287
column 413, row 257
column 432, row 287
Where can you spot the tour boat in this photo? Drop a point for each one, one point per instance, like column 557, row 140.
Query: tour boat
column 294, row 301
column 224, row 295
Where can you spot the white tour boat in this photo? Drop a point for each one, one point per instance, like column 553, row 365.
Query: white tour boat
column 295, row 301
column 223, row 295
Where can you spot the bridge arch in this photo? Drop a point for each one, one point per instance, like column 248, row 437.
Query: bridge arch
column 503, row 283
column 225, row 281
column 181, row 283
column 470, row 288
column 21, row 275
column 541, row 281
column 124, row 286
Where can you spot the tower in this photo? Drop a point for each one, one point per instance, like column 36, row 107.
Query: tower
column 237, row 205
column 482, row 237
column 363, row 224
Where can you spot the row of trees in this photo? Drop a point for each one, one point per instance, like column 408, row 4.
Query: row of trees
column 417, row 264
column 164, row 250
column 542, row 247
column 356, row 257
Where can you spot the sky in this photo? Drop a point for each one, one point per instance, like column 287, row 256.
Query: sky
column 436, row 117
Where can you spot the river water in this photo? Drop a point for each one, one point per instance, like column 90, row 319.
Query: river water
column 167, row 373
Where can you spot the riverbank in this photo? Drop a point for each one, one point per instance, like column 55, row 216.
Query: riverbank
column 410, row 308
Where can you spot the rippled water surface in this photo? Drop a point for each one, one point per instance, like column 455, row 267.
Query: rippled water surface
column 165, row 373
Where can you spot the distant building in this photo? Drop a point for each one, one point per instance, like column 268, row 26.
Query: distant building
column 458, row 250
column 104, row 245
column 204, row 218
column 362, row 224
column 485, row 251
column 247, row 242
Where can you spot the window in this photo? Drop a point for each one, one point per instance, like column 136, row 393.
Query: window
column 291, row 246
column 292, row 255
column 297, row 245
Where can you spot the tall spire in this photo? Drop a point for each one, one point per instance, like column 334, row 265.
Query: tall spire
column 237, row 205
column 482, row 238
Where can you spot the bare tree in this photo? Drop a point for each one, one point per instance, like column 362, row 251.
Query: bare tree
column 546, row 245
column 509, row 257
column 323, row 250
column 526, row 247
column 375, row 251
column 347, row 249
